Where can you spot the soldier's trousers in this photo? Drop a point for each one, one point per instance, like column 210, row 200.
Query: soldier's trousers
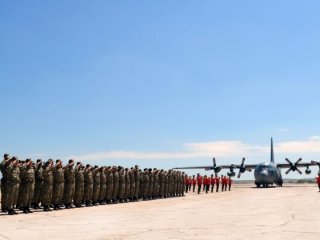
column 132, row 190
column 3, row 194
column 27, row 194
column 109, row 191
column 187, row 188
column 199, row 188
column 68, row 192
column 161, row 189
column 212, row 187
column 46, row 194
column 78, row 193
column 115, row 191
column 12, row 194
column 217, row 189
column 127, row 191
column 88, row 190
column 146, row 190
column 57, row 192
column 96, row 192
column 103, row 189
column 230, row 187
column 121, row 191
column 137, row 189
column 193, row 187
column 36, row 194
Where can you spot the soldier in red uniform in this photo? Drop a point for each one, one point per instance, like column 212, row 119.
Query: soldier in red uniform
column 217, row 181
column 206, row 183
column 194, row 183
column 186, row 182
column 189, row 183
column 222, row 181
column 230, row 183
column 225, row 179
column 212, row 180
column 199, row 182
column 318, row 181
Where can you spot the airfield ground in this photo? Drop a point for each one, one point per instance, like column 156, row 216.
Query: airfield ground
column 291, row 212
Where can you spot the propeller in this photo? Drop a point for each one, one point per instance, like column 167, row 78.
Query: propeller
column 242, row 167
column 293, row 167
column 215, row 168
column 316, row 163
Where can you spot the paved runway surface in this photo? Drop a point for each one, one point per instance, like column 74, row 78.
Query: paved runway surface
column 291, row 212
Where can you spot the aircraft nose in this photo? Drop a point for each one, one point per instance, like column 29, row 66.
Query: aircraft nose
column 264, row 173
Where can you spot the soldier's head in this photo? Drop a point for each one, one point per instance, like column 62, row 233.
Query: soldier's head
column 193, row 176
column 88, row 166
column 59, row 163
column 70, row 163
column 136, row 167
column 14, row 160
column 79, row 164
column 6, row 156
column 28, row 162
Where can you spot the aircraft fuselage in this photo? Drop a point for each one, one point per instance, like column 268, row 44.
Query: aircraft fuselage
column 267, row 174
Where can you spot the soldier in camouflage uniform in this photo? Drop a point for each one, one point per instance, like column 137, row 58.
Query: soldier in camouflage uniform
column 161, row 183
column 88, row 185
column 13, row 182
column 132, row 185
column 58, row 182
column 121, row 191
column 145, row 184
column 141, row 186
column 96, row 185
column 19, row 201
column 115, row 185
column 166, row 184
column 136, row 174
column 150, row 192
column 69, row 184
column 127, row 185
column 38, row 184
column 109, row 183
column 3, row 169
column 103, row 182
column 79, row 185
column 46, row 190
column 27, row 178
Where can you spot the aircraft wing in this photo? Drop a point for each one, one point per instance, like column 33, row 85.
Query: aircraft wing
column 295, row 166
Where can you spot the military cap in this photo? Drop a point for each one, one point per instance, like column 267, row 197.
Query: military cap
column 39, row 160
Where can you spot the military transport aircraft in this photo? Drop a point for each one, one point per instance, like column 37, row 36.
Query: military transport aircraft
column 265, row 174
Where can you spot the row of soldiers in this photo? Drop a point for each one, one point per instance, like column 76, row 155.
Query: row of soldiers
column 27, row 184
column 206, row 182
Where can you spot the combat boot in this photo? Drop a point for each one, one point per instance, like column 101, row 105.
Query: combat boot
column 28, row 209
column 10, row 212
column 25, row 210
column 4, row 210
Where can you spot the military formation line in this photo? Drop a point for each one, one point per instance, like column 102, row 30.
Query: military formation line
column 51, row 186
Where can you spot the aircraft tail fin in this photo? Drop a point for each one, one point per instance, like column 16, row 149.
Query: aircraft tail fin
column 272, row 154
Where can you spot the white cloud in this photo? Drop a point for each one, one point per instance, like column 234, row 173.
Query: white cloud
column 218, row 149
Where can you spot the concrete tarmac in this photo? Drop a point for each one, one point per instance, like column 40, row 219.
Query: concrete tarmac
column 291, row 212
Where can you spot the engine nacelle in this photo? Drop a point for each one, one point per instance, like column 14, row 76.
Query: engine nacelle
column 308, row 171
column 231, row 174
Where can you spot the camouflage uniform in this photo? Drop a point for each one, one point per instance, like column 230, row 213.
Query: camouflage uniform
column 145, row 185
column 132, row 185
column 13, row 183
column 103, row 186
column 127, row 186
column 88, row 186
column 37, row 187
column 27, row 186
column 46, row 190
column 166, row 185
column 69, row 185
column 121, row 185
column 58, row 182
column 137, row 184
column 161, row 184
column 109, row 183
column 96, row 185
column 79, row 186
column 115, row 186
column 150, row 192
column 3, row 169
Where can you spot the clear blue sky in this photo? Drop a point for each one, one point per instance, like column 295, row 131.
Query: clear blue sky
column 80, row 78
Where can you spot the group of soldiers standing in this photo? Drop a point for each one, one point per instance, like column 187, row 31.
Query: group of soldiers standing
column 207, row 182
column 27, row 184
